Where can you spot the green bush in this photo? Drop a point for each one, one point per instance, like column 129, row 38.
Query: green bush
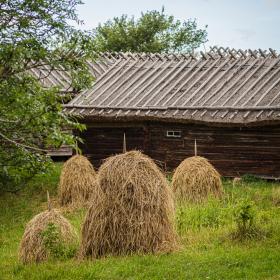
column 245, row 216
column 54, row 244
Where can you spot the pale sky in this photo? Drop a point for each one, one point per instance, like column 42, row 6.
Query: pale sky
column 231, row 23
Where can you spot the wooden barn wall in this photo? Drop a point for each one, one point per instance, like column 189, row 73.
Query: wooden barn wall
column 102, row 142
column 233, row 151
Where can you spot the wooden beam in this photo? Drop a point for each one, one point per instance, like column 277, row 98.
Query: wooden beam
column 218, row 78
column 204, row 83
column 124, row 144
column 185, row 80
column 167, row 78
column 112, row 82
column 165, row 66
column 100, row 82
column 255, row 83
column 257, row 108
column 121, row 83
column 135, row 81
column 242, row 84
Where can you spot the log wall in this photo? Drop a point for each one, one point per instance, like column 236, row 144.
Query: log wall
column 233, row 151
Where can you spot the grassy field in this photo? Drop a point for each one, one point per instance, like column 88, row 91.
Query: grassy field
column 211, row 246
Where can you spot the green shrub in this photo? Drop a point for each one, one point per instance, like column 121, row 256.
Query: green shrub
column 245, row 216
column 54, row 244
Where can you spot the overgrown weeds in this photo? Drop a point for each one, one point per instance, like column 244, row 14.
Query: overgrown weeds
column 239, row 214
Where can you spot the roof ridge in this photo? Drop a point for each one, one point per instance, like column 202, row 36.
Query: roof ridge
column 214, row 53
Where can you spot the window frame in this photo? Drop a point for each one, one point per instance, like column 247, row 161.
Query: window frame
column 173, row 133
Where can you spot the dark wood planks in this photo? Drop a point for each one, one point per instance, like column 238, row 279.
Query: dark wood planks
column 233, row 151
column 100, row 143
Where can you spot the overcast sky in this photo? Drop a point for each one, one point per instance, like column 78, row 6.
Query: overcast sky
column 231, row 23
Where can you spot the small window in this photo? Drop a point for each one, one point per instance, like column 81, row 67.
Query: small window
column 173, row 133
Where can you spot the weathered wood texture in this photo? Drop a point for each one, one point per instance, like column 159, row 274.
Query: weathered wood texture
column 100, row 143
column 63, row 151
column 223, row 86
column 233, row 151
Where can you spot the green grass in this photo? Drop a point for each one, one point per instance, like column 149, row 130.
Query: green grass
column 208, row 250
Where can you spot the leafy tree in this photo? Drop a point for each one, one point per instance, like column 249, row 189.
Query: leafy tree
column 34, row 34
column 153, row 32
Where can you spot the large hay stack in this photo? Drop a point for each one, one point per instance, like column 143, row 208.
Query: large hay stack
column 195, row 179
column 77, row 181
column 135, row 213
column 32, row 246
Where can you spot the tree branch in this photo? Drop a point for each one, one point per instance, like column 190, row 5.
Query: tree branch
column 21, row 145
column 8, row 121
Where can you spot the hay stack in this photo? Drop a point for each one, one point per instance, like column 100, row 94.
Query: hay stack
column 195, row 179
column 77, row 181
column 136, row 212
column 32, row 248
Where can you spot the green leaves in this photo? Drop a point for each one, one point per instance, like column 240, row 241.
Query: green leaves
column 40, row 19
column 55, row 246
column 245, row 214
column 37, row 35
column 153, row 32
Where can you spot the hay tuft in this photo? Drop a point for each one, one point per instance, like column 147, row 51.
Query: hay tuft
column 135, row 213
column 32, row 248
column 195, row 179
column 77, row 181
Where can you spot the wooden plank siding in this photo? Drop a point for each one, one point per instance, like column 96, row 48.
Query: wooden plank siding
column 63, row 151
column 233, row 151
column 102, row 142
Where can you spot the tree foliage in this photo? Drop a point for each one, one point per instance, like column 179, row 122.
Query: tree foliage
column 33, row 34
column 153, row 32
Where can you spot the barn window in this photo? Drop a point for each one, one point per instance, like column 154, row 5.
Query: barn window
column 173, row 133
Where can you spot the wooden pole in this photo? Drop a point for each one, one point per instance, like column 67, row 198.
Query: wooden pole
column 124, row 143
column 49, row 201
column 195, row 147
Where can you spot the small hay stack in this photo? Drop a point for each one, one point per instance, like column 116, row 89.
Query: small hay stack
column 195, row 179
column 77, row 181
column 135, row 213
column 32, row 248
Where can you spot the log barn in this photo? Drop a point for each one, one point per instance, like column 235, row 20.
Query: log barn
column 226, row 100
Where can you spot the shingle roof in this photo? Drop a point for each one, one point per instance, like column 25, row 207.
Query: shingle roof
column 222, row 86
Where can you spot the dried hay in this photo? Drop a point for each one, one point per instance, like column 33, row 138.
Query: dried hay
column 135, row 213
column 77, row 181
column 32, row 247
column 195, row 179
